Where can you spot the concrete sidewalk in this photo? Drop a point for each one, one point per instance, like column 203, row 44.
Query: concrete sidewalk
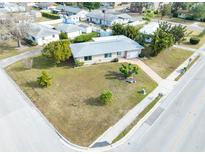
column 154, row 76
column 10, row 60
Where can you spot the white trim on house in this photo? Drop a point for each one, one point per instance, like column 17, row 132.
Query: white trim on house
column 105, row 49
column 41, row 34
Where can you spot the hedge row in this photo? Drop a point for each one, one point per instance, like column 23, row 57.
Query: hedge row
column 50, row 15
column 85, row 37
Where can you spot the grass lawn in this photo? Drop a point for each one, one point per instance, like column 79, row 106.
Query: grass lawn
column 9, row 48
column 138, row 118
column 41, row 19
column 168, row 60
column 72, row 104
column 177, row 20
column 194, row 34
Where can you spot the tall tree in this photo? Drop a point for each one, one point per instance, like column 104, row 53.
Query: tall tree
column 91, row 5
column 178, row 31
column 165, row 10
column 15, row 26
column 160, row 40
column 198, row 11
column 58, row 51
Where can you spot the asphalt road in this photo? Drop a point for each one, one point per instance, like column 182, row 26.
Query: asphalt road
column 178, row 124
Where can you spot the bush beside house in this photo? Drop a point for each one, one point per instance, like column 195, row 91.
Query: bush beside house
column 194, row 40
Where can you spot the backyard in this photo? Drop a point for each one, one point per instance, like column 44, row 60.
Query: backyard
column 72, row 103
column 168, row 60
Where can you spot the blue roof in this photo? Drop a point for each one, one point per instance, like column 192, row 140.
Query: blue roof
column 102, row 45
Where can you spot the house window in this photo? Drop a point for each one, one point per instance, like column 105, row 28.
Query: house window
column 108, row 55
column 86, row 58
column 119, row 53
column 43, row 38
column 53, row 36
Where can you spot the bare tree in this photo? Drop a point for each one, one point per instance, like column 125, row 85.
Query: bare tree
column 15, row 26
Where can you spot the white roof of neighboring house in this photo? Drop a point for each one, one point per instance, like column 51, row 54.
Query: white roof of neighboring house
column 69, row 9
column 102, row 45
column 107, row 16
column 38, row 31
column 150, row 28
column 68, row 28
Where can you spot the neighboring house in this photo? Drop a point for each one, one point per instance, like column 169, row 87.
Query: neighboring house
column 70, row 10
column 105, row 49
column 73, row 19
column 35, row 13
column 42, row 34
column 11, row 7
column 139, row 7
column 44, row 5
column 71, row 30
column 107, row 19
column 149, row 30
column 85, row 28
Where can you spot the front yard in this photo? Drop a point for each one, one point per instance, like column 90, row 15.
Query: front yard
column 200, row 35
column 72, row 104
column 9, row 48
column 167, row 61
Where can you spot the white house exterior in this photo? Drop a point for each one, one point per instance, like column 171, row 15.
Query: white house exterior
column 107, row 19
column 149, row 30
column 71, row 30
column 42, row 34
column 73, row 19
column 85, row 28
column 69, row 10
column 105, row 49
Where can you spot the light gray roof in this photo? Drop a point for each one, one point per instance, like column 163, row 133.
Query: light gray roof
column 150, row 28
column 125, row 16
column 98, row 14
column 69, row 8
column 38, row 31
column 68, row 28
column 109, row 44
column 107, row 16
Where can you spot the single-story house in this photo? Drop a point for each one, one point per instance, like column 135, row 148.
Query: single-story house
column 85, row 28
column 149, row 30
column 107, row 19
column 42, row 34
column 74, row 30
column 73, row 19
column 105, row 49
column 71, row 30
column 70, row 10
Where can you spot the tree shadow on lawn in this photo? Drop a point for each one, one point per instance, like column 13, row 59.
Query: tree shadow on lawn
column 113, row 75
column 94, row 101
column 42, row 62
column 32, row 84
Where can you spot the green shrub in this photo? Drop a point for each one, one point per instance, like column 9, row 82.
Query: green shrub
column 78, row 63
column 30, row 42
column 115, row 60
column 106, row 97
column 63, row 36
column 85, row 37
column 44, row 80
column 194, row 40
column 50, row 15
